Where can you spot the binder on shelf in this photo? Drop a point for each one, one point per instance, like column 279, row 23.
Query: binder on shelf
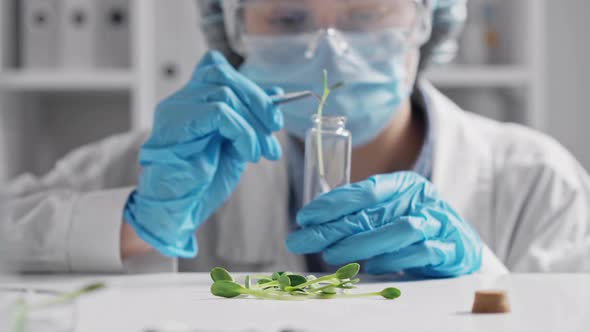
column 39, row 33
column 168, row 32
column 78, row 32
column 113, row 39
column 179, row 44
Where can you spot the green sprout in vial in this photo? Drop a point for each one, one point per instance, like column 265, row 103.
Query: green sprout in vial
column 323, row 100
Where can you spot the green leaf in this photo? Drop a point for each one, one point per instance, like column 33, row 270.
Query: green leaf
column 284, row 282
column 226, row 288
column 247, row 282
column 263, row 281
column 336, row 86
column 277, row 275
column 329, row 291
column 92, row 287
column 348, row 271
column 391, row 293
column 297, row 280
column 219, row 273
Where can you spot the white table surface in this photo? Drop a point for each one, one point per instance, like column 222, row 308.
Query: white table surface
column 550, row 302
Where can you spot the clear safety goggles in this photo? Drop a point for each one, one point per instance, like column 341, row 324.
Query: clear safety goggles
column 307, row 18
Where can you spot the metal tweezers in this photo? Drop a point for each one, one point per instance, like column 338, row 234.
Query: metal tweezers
column 292, row 96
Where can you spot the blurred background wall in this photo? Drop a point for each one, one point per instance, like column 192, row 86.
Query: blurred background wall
column 46, row 112
column 568, row 75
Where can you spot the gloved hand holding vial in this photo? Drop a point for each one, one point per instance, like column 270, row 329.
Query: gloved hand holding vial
column 393, row 221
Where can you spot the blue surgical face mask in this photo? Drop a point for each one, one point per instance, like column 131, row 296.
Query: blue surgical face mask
column 376, row 69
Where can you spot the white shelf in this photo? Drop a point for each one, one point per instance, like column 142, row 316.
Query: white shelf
column 479, row 76
column 28, row 80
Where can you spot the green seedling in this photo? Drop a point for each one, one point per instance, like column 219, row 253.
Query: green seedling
column 323, row 100
column 284, row 282
column 248, row 282
column 312, row 286
column 299, row 292
column 391, row 293
column 266, row 283
column 345, row 272
column 22, row 308
column 348, row 271
column 329, row 291
column 289, row 286
column 296, row 279
column 277, row 275
column 220, row 273
column 66, row 297
column 388, row 293
column 349, row 284
column 230, row 289
column 227, row 289
column 263, row 281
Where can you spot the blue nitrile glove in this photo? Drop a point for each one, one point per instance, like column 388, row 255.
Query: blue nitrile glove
column 202, row 138
column 394, row 221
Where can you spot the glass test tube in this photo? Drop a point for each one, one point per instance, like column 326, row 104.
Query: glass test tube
column 328, row 167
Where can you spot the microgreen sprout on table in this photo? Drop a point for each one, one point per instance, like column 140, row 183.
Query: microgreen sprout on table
column 23, row 308
column 288, row 286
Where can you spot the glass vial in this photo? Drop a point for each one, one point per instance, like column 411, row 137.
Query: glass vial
column 328, row 167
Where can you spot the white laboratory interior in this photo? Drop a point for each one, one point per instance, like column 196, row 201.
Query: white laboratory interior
column 134, row 160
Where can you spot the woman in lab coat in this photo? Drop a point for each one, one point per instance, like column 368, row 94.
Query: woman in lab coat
column 219, row 179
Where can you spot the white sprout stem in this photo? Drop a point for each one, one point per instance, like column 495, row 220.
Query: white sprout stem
column 319, row 139
column 319, row 126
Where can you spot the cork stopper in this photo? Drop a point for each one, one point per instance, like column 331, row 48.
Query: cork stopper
column 490, row 301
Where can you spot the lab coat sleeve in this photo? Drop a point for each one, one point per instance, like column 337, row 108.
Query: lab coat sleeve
column 69, row 220
column 545, row 198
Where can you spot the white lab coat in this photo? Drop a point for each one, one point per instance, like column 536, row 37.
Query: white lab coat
column 526, row 196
